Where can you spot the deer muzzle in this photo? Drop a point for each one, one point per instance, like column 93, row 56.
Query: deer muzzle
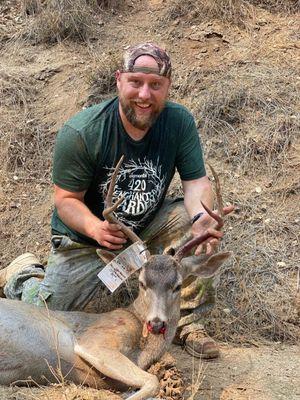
column 156, row 326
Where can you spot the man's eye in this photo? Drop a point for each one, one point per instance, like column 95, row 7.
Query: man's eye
column 135, row 83
column 156, row 85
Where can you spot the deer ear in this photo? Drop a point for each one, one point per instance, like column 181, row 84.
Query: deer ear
column 105, row 255
column 203, row 266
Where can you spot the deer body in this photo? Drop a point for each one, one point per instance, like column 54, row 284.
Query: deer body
column 103, row 350
column 43, row 346
column 33, row 338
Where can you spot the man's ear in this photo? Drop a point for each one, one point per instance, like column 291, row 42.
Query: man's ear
column 203, row 266
column 118, row 76
column 105, row 255
column 170, row 83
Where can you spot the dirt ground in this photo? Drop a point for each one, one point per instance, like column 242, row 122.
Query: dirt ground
column 263, row 373
column 254, row 373
column 251, row 136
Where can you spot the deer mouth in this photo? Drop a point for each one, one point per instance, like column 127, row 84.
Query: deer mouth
column 157, row 327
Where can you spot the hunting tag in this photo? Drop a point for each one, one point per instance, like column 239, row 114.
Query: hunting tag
column 123, row 265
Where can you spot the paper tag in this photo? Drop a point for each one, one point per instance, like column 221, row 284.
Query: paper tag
column 123, row 265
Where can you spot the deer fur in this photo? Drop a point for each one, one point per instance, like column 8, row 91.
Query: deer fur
column 100, row 350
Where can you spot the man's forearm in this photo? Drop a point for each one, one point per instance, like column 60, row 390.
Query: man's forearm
column 195, row 192
column 76, row 215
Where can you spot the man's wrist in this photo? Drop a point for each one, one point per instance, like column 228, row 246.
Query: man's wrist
column 197, row 216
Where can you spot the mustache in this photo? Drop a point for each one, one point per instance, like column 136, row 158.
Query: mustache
column 141, row 102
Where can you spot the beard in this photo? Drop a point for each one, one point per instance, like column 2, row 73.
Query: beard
column 138, row 121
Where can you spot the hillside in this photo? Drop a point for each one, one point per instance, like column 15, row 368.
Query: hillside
column 236, row 67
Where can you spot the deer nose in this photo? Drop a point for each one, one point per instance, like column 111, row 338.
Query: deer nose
column 156, row 326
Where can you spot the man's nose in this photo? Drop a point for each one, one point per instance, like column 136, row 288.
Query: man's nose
column 144, row 92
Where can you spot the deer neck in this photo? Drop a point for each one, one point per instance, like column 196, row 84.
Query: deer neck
column 152, row 347
column 138, row 308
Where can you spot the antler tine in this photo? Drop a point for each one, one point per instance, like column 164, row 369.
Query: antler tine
column 180, row 253
column 110, row 207
column 218, row 191
column 202, row 238
column 108, row 200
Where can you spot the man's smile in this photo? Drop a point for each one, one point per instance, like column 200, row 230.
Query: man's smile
column 144, row 106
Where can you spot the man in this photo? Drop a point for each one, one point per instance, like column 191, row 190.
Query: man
column 155, row 137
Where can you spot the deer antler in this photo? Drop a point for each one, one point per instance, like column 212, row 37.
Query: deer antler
column 218, row 191
column 110, row 207
column 202, row 238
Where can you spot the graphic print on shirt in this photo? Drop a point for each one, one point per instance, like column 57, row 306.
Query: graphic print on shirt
column 142, row 184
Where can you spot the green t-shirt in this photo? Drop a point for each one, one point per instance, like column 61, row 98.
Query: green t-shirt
column 90, row 144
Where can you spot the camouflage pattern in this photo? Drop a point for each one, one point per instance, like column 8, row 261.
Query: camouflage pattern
column 147, row 49
column 70, row 282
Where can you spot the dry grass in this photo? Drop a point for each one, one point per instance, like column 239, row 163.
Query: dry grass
column 56, row 392
column 257, row 291
column 55, row 20
column 236, row 12
column 102, row 79
column 26, row 155
column 280, row 6
column 247, row 114
column 27, row 141
column 16, row 89
column 29, row 152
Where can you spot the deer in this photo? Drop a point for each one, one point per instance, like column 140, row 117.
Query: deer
column 108, row 350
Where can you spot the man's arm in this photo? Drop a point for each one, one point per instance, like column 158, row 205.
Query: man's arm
column 75, row 214
column 195, row 191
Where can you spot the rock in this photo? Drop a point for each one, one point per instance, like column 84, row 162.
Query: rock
column 281, row 264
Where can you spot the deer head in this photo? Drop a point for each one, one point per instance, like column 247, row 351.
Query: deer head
column 161, row 277
column 160, row 282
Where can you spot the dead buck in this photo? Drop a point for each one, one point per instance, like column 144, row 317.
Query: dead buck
column 103, row 350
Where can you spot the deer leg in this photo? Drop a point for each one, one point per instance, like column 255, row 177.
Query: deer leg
column 115, row 365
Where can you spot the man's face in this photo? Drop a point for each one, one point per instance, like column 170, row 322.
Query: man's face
column 142, row 95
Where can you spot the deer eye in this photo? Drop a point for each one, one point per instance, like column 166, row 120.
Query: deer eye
column 142, row 286
column 177, row 288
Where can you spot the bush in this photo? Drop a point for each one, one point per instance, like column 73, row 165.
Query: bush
column 102, row 80
column 247, row 113
column 56, row 20
column 281, row 6
column 232, row 11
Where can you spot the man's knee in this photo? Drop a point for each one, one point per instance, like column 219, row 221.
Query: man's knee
column 173, row 225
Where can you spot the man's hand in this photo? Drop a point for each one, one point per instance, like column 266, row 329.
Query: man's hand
column 207, row 224
column 75, row 214
column 109, row 235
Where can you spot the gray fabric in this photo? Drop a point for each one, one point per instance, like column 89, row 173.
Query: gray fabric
column 25, row 278
column 71, row 275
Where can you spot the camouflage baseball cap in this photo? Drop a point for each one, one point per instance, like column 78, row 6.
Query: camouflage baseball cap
column 147, row 49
